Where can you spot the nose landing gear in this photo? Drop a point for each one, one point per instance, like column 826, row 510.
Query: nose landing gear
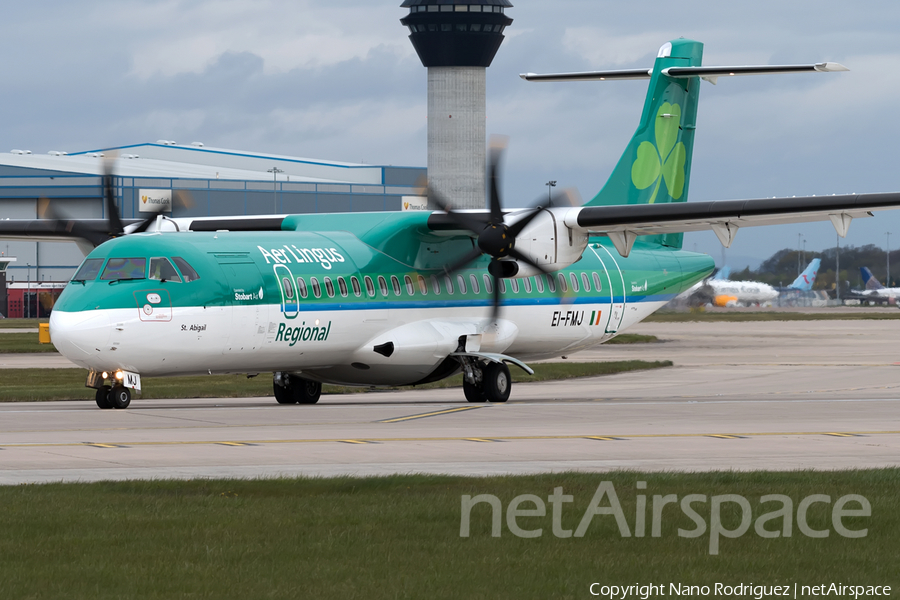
column 113, row 397
column 110, row 391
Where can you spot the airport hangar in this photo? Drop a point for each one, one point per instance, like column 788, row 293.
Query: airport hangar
column 220, row 182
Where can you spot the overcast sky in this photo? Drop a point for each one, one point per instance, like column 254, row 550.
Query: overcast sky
column 338, row 79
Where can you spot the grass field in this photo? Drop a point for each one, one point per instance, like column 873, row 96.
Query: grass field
column 670, row 316
column 21, row 323
column 32, row 385
column 399, row 537
column 20, row 343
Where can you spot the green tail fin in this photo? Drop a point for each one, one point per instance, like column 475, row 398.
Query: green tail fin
column 656, row 165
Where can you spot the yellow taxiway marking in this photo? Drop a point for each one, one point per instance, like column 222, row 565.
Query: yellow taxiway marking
column 430, row 414
column 234, row 444
column 602, row 438
column 499, row 438
column 481, row 440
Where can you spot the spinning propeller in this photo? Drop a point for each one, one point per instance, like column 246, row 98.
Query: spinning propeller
column 495, row 237
column 95, row 231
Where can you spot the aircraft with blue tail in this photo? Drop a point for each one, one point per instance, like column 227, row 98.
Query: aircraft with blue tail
column 807, row 279
column 375, row 299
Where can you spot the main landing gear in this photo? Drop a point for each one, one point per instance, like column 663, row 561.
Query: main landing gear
column 292, row 389
column 489, row 382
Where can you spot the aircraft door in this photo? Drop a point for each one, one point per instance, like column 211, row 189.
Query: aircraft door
column 616, row 287
column 248, row 311
column 290, row 301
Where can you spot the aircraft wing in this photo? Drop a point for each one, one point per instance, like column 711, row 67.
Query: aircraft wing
column 623, row 223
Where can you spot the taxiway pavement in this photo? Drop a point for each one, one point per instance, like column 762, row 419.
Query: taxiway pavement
column 755, row 395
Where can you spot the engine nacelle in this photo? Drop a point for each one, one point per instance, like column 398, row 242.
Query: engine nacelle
column 548, row 241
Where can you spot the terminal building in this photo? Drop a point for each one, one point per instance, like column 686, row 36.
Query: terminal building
column 217, row 182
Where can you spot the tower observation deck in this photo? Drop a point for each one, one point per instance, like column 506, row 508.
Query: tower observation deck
column 457, row 40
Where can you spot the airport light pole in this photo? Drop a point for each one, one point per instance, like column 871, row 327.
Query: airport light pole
column 837, row 271
column 888, row 253
column 799, row 267
column 550, row 185
column 26, row 296
column 275, row 171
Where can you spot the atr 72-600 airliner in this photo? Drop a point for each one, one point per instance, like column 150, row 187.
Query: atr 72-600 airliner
column 405, row 298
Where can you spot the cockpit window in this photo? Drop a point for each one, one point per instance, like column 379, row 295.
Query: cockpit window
column 162, row 269
column 187, row 271
column 124, row 268
column 88, row 270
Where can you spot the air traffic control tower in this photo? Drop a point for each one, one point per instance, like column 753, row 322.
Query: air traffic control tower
column 457, row 40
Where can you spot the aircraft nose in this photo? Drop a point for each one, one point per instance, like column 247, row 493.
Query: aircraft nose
column 79, row 335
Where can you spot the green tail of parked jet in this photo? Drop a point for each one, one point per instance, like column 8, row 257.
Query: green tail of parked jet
column 405, row 298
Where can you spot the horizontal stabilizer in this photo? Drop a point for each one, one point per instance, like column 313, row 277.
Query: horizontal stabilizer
column 708, row 73
column 590, row 75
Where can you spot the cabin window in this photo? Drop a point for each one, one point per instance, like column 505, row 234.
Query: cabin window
column 187, row 271
column 597, row 285
column 539, row 283
column 474, row 281
column 118, row 269
column 527, row 283
column 317, row 290
column 288, row 288
column 342, row 285
column 89, row 270
column 162, row 270
column 551, row 283
column 574, row 281
column 461, row 283
column 488, row 286
column 370, row 287
column 382, row 285
column 449, row 283
column 410, row 288
column 585, row 282
column 354, row 283
column 423, row 286
column 514, row 284
column 329, row 287
column 301, row 287
column 435, row 284
column 395, row 283
column 502, row 286
column 563, row 286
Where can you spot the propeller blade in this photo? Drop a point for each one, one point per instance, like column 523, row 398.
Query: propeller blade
column 498, row 146
column 471, row 255
column 114, row 222
column 145, row 224
column 520, row 256
column 460, row 218
column 495, row 306
column 517, row 227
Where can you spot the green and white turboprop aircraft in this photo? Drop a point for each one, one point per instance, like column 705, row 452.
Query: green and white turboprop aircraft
column 377, row 299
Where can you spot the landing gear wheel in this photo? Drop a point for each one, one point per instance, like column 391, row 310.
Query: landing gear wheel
column 497, row 382
column 102, row 397
column 306, row 391
column 473, row 392
column 284, row 394
column 119, row 397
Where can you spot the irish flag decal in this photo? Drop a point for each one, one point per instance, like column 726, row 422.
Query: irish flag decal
column 595, row 317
